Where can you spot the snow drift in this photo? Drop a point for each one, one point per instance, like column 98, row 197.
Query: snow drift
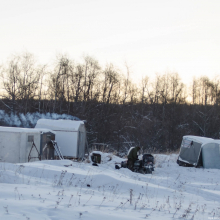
column 70, row 190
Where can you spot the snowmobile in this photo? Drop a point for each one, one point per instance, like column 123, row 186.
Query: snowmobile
column 144, row 166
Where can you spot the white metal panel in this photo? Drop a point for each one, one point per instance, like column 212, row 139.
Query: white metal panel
column 211, row 156
column 10, row 147
column 67, row 141
column 81, row 144
column 14, row 146
column 37, row 141
column 26, row 147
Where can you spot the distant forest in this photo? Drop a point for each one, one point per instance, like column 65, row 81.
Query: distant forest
column 153, row 114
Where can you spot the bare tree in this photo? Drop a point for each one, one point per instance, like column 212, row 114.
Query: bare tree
column 91, row 72
column 216, row 91
column 154, row 92
column 58, row 81
column 29, row 80
column 42, row 75
column 10, row 75
column 76, row 82
column 21, row 79
column 176, row 88
column 111, row 79
column 144, row 85
column 126, row 82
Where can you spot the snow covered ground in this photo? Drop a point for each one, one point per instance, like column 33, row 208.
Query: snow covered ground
column 60, row 190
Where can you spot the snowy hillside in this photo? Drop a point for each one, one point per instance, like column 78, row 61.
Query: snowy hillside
column 59, row 190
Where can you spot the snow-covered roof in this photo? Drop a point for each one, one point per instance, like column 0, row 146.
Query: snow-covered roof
column 59, row 125
column 19, row 130
column 202, row 140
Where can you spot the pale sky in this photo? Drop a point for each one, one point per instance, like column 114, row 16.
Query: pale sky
column 150, row 35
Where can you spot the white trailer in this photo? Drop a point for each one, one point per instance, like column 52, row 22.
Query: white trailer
column 199, row 151
column 70, row 136
column 21, row 145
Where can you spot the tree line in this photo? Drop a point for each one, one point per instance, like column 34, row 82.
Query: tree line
column 155, row 113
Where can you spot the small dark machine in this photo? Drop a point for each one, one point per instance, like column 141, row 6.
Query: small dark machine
column 96, row 158
column 144, row 166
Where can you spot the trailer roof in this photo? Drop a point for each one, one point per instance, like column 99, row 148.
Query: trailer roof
column 25, row 130
column 202, row 140
column 59, row 125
